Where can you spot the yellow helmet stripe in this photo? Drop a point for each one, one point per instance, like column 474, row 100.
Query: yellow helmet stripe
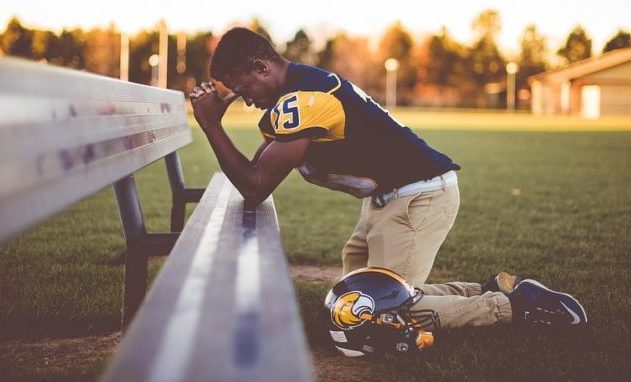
column 380, row 270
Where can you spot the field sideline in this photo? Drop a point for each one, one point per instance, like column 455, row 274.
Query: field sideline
column 473, row 119
column 545, row 197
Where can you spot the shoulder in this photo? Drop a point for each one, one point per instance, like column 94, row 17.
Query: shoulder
column 309, row 95
column 302, row 113
column 310, row 78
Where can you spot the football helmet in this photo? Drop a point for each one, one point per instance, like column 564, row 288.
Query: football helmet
column 368, row 314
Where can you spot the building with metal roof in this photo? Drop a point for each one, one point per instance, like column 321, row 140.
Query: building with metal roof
column 592, row 87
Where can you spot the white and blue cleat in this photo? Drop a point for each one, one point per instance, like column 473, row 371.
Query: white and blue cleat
column 534, row 303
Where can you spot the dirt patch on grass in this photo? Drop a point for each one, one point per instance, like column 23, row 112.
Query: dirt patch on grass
column 321, row 273
column 334, row 366
column 62, row 354
column 58, row 354
column 332, row 274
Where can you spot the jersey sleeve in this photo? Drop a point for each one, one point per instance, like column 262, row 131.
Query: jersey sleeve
column 306, row 114
column 265, row 126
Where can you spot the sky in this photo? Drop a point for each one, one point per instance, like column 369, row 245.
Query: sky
column 323, row 18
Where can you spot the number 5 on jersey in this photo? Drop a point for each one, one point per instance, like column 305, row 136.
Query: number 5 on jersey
column 286, row 113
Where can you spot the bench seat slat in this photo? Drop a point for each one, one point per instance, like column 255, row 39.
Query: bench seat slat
column 79, row 133
column 222, row 307
column 20, row 110
column 65, row 134
column 21, row 77
column 47, row 195
column 40, row 169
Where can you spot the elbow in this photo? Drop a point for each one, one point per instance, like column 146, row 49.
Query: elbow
column 254, row 195
column 254, row 191
column 252, row 200
column 250, row 204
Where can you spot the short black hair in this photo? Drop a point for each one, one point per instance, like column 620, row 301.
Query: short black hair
column 237, row 50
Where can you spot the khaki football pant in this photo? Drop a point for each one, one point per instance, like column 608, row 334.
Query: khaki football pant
column 404, row 236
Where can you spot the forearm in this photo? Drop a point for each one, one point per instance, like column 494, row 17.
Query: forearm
column 209, row 108
column 254, row 179
column 241, row 172
column 260, row 150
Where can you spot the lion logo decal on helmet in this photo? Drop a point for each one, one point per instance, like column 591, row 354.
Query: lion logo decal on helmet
column 352, row 309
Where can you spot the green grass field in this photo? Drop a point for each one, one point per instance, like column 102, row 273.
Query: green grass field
column 545, row 197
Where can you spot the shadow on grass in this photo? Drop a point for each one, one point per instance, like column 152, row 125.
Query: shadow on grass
column 495, row 353
column 31, row 328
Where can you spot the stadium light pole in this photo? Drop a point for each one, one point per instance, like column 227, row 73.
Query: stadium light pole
column 124, row 58
column 163, row 54
column 154, row 61
column 511, row 69
column 391, row 65
column 181, row 52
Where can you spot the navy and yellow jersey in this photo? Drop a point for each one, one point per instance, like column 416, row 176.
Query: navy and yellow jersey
column 357, row 147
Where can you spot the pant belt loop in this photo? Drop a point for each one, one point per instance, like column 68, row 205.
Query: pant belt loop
column 443, row 182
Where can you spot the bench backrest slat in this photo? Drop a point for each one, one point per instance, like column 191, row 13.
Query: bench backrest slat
column 223, row 307
column 66, row 134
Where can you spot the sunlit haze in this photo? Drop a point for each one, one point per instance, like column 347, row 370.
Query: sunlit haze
column 321, row 19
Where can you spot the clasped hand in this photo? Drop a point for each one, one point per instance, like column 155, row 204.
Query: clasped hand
column 208, row 106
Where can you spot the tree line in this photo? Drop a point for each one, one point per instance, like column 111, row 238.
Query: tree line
column 437, row 70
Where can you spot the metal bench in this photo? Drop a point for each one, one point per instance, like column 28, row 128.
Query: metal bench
column 223, row 306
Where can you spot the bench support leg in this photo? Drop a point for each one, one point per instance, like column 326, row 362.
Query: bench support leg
column 136, row 264
column 136, row 260
column 140, row 245
column 181, row 194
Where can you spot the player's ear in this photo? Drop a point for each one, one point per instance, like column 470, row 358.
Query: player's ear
column 260, row 66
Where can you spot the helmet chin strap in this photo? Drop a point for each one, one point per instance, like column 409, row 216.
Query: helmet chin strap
column 423, row 339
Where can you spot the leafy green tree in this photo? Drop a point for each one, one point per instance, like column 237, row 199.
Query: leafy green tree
column 142, row 46
column 487, row 24
column 622, row 39
column 198, row 54
column 486, row 63
column 299, row 49
column 102, row 51
column 532, row 56
column 17, row 40
column 175, row 80
column 578, row 46
column 397, row 43
column 45, row 45
column 326, row 56
column 72, row 45
column 352, row 58
column 446, row 65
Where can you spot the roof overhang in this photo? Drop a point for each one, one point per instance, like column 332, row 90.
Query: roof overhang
column 584, row 67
